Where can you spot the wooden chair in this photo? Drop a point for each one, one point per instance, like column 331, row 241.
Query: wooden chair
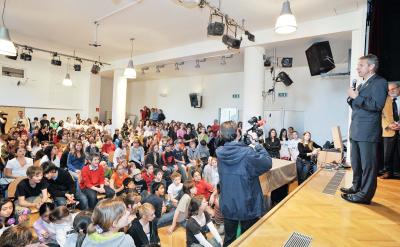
column 12, row 187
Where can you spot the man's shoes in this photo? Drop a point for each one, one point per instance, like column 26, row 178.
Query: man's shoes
column 381, row 172
column 386, row 175
column 354, row 199
column 348, row 190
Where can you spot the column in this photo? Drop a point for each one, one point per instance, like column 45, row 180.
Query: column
column 119, row 98
column 253, row 84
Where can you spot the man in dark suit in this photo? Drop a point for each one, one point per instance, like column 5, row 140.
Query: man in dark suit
column 367, row 102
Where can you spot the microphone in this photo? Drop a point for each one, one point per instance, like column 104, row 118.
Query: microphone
column 354, row 84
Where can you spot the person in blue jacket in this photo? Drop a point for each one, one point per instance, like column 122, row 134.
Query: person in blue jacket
column 239, row 167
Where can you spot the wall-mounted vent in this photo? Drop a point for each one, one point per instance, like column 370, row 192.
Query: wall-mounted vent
column 12, row 72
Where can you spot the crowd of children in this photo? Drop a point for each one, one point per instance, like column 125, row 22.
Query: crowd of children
column 93, row 185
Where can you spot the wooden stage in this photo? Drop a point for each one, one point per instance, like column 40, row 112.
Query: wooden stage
column 328, row 219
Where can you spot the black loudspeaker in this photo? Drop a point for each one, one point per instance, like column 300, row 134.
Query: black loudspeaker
column 283, row 77
column 319, row 58
column 195, row 100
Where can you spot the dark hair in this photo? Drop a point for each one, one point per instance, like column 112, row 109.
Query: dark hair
column 187, row 186
column 228, row 130
column 19, row 235
column 58, row 213
column 80, row 225
column 47, row 206
column 33, row 171
column 281, row 134
column 156, row 186
column 47, row 151
column 39, row 155
column 127, row 181
column 156, row 171
column 3, row 220
column 269, row 133
column 203, row 142
column 48, row 167
column 194, row 205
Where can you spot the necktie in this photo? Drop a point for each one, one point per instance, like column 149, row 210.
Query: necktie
column 395, row 110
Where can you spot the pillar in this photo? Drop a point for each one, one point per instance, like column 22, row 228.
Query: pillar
column 119, row 98
column 253, row 84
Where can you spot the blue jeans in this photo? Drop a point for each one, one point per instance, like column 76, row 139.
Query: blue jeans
column 166, row 219
column 304, row 169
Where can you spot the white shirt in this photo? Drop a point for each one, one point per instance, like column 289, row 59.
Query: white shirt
column 284, row 152
column 16, row 169
column 211, row 175
column 293, row 148
column 173, row 190
column 119, row 154
column 46, row 159
column 110, row 129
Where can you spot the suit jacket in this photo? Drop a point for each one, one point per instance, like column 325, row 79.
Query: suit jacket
column 387, row 118
column 367, row 110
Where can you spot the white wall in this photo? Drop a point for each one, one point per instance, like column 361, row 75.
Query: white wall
column 323, row 100
column 43, row 92
column 216, row 90
column 106, row 94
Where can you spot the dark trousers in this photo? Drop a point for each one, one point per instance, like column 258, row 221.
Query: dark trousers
column 390, row 149
column 364, row 165
column 91, row 195
column 231, row 226
column 304, row 168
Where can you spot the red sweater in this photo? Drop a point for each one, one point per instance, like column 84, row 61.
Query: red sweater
column 91, row 178
column 204, row 188
column 108, row 148
column 148, row 178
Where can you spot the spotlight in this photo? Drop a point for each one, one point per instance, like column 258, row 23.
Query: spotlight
column 250, row 36
column 95, row 69
column 178, row 64
column 267, row 62
column 283, row 77
column 26, row 54
column 144, row 69
column 56, row 60
column 78, row 64
column 286, row 62
column 215, row 28
column 231, row 42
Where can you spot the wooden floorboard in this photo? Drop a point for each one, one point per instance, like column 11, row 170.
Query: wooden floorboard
column 330, row 220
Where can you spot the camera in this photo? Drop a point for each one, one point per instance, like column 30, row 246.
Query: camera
column 255, row 128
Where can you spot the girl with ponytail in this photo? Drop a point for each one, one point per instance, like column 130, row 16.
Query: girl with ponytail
column 77, row 235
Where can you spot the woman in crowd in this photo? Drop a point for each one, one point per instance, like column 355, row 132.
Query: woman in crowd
column 51, row 154
column 76, row 160
column 272, row 144
column 154, row 157
column 144, row 230
column 77, row 235
column 198, row 223
column 43, row 227
column 17, row 166
column 308, row 151
column 284, row 152
column 109, row 216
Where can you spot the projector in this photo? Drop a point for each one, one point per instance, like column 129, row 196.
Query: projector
column 215, row 29
column 25, row 57
column 95, row 69
column 77, row 67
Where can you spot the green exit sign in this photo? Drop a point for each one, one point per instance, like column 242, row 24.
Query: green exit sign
column 235, row 96
column 282, row 94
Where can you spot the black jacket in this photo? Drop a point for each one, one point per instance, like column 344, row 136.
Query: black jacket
column 139, row 236
column 273, row 147
column 154, row 159
column 61, row 185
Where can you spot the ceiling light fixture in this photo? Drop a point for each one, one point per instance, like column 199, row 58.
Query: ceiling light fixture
column 67, row 80
column 144, row 69
column 158, row 67
column 215, row 28
column 130, row 71
column 95, row 68
column 7, row 47
column 26, row 54
column 178, row 64
column 56, row 60
column 286, row 22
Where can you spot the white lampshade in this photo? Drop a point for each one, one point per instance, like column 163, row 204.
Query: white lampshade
column 286, row 22
column 7, row 47
column 130, row 71
column 190, row 3
column 67, row 81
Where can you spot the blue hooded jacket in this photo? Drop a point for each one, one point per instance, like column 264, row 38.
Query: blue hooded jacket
column 239, row 167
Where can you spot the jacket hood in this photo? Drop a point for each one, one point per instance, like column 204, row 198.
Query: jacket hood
column 232, row 153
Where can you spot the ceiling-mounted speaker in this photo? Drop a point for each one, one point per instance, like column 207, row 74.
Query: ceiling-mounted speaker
column 195, row 100
column 319, row 58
